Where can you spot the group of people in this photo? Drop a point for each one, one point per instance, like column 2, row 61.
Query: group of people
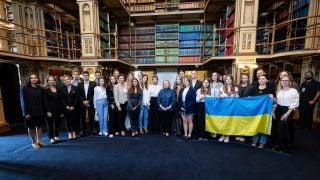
column 122, row 102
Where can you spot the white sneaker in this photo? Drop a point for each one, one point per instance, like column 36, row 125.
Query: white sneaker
column 226, row 139
column 117, row 133
column 111, row 136
column 241, row 139
column 214, row 135
column 105, row 134
column 237, row 138
column 221, row 138
column 100, row 133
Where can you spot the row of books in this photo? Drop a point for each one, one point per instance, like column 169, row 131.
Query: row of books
column 167, row 43
column 189, row 51
column 167, row 27
column 144, row 52
column 189, row 35
column 189, row 59
column 167, row 51
column 189, row 28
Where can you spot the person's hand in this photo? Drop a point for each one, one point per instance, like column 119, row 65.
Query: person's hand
column 134, row 108
column 49, row 114
column 273, row 115
column 112, row 106
column 182, row 109
column 284, row 117
column 71, row 108
column 68, row 107
column 27, row 116
column 86, row 103
column 311, row 102
column 119, row 108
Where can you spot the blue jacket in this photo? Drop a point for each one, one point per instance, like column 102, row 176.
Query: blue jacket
column 166, row 97
column 189, row 104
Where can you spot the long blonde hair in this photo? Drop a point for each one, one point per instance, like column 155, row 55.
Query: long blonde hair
column 46, row 86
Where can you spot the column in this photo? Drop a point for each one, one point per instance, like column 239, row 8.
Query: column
column 4, row 126
column 89, row 28
column 313, row 26
column 246, row 18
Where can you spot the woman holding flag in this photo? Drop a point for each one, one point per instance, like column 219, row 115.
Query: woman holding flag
column 228, row 90
column 261, row 89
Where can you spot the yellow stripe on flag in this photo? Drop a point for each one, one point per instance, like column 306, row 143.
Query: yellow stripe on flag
column 239, row 125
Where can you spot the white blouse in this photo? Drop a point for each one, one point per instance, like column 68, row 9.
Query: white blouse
column 184, row 93
column 146, row 97
column 154, row 90
column 215, row 88
column 288, row 98
column 201, row 97
column 99, row 93
column 120, row 93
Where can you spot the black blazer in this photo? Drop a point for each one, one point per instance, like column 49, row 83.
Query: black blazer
column 69, row 99
column 90, row 93
column 189, row 104
column 52, row 101
column 197, row 85
column 110, row 96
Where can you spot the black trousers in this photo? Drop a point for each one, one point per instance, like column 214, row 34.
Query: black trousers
column 71, row 120
column 154, row 123
column 111, row 120
column 134, row 118
column 306, row 115
column 121, row 117
column 200, row 120
column 177, row 121
column 166, row 121
column 53, row 125
column 282, row 128
column 83, row 123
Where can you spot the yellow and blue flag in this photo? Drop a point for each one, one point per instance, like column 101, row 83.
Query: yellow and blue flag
column 239, row 116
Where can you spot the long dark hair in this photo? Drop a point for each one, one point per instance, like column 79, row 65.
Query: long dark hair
column 132, row 88
column 110, row 85
column 209, row 89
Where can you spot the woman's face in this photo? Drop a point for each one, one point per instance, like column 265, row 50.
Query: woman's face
column 285, row 81
column 113, row 79
column 178, row 80
column 51, row 81
column 186, row 82
column 101, row 82
column 244, row 79
column 262, row 80
column 145, row 79
column 130, row 77
column 135, row 83
column 214, row 76
column 66, row 81
column 121, row 79
column 139, row 75
column 205, row 83
column 165, row 84
column 34, row 79
column 155, row 81
column 228, row 80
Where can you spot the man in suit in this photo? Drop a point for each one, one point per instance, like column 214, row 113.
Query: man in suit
column 196, row 84
column 86, row 91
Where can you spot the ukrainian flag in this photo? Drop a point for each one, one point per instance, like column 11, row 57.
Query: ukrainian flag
column 239, row 116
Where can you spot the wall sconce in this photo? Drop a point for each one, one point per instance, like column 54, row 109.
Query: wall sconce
column 131, row 24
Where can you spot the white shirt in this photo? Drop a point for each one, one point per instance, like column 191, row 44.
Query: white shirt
column 154, row 90
column 215, row 88
column 201, row 97
column 184, row 94
column 120, row 93
column 99, row 93
column 194, row 81
column 146, row 97
column 86, row 87
column 288, row 98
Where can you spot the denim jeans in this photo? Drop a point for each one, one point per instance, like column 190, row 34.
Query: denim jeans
column 143, row 116
column 102, row 111
column 263, row 138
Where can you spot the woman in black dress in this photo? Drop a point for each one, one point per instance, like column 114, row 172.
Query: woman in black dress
column 111, row 105
column 53, row 108
column 33, row 103
column 134, row 103
column 69, row 100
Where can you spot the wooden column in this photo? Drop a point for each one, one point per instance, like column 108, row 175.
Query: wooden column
column 89, row 28
column 4, row 126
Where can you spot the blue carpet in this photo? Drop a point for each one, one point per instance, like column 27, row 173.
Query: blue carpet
column 156, row 157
